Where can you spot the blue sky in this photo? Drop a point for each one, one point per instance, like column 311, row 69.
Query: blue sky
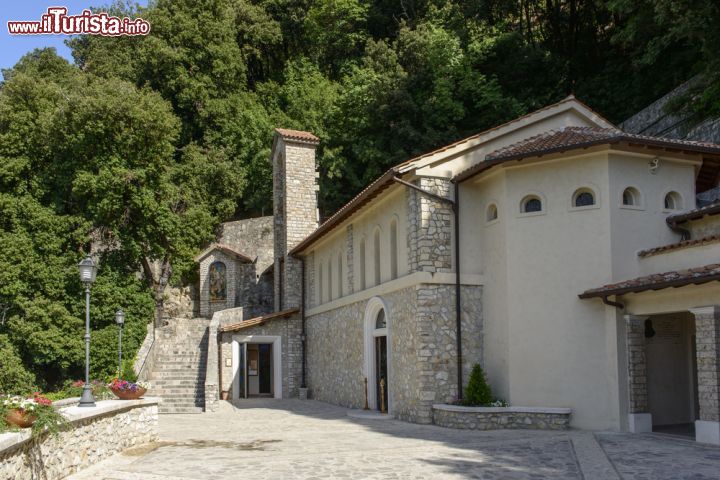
column 12, row 47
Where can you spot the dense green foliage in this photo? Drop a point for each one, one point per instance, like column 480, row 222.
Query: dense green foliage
column 150, row 142
column 477, row 392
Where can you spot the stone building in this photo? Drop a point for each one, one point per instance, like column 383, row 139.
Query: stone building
column 563, row 254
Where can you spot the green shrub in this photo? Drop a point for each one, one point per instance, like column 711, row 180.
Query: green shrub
column 14, row 378
column 478, row 391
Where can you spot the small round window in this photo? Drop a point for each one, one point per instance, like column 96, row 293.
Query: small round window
column 631, row 196
column 531, row 204
column 583, row 198
column 492, row 213
column 673, row 201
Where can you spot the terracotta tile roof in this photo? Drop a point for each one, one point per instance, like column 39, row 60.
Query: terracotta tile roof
column 712, row 209
column 251, row 322
column 658, row 281
column 225, row 248
column 573, row 138
column 676, row 246
column 569, row 98
column 297, row 135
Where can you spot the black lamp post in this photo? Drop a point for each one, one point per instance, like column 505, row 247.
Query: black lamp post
column 88, row 270
column 120, row 320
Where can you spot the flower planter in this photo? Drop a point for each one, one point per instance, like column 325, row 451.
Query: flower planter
column 129, row 394
column 20, row 418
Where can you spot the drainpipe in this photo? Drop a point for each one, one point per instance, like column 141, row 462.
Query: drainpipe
column 684, row 233
column 302, row 316
column 458, row 308
column 458, row 311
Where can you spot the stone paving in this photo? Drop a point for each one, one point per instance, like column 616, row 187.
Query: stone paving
column 312, row 440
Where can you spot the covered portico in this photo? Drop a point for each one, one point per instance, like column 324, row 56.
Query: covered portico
column 669, row 358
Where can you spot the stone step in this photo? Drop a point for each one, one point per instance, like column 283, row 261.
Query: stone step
column 179, row 410
column 182, row 395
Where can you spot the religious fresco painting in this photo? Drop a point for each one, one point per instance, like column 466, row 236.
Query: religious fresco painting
column 218, row 282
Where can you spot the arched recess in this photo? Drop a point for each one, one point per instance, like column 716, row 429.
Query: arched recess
column 374, row 306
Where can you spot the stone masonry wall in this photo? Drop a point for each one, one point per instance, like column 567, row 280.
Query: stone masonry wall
column 707, row 334
column 499, row 418
column 252, row 237
column 637, row 366
column 295, row 214
column 423, row 369
column 289, row 329
column 86, row 443
column 430, row 227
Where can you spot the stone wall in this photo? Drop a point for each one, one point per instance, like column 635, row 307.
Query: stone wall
column 289, row 329
column 421, row 330
column 94, row 435
column 491, row 418
column 252, row 237
column 208, row 307
column 430, row 227
column 637, row 365
column 707, row 334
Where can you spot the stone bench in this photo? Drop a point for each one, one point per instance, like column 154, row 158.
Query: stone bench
column 94, row 434
column 493, row 418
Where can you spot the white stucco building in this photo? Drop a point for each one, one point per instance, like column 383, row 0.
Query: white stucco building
column 587, row 278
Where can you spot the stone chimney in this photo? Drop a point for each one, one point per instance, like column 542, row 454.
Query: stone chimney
column 294, row 208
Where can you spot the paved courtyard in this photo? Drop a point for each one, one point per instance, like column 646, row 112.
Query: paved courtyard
column 279, row 439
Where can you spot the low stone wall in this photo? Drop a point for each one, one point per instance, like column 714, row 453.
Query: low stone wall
column 494, row 418
column 94, row 434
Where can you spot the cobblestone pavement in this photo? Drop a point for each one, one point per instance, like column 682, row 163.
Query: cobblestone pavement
column 312, row 440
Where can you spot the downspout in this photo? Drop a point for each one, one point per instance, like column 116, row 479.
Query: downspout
column 458, row 310
column 302, row 317
column 611, row 303
column 684, row 233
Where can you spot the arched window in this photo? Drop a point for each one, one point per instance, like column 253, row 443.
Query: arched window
column 376, row 255
column 320, row 283
column 329, row 280
column 491, row 213
column 340, row 275
column 363, row 283
column 393, row 250
column 217, row 278
column 673, row 201
column 380, row 321
column 583, row 197
column 531, row 203
column 631, row 197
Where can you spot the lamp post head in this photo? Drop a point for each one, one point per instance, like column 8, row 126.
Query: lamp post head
column 120, row 318
column 88, row 270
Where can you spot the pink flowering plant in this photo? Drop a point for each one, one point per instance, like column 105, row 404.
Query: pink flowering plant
column 35, row 406
column 126, row 386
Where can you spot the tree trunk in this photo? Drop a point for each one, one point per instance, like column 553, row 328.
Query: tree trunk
column 158, row 285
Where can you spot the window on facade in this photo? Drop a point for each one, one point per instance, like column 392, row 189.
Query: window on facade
column 583, row 198
column 363, row 283
column 217, row 278
column 531, row 204
column 393, row 250
column 329, row 280
column 376, row 254
column 631, row 197
column 340, row 275
column 380, row 320
column 673, row 201
column 320, row 282
column 492, row 213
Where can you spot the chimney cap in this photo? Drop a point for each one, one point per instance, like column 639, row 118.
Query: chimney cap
column 297, row 135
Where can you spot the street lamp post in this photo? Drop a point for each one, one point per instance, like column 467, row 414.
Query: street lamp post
column 120, row 320
column 88, row 270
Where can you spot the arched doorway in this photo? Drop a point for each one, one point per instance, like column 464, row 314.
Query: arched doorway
column 377, row 355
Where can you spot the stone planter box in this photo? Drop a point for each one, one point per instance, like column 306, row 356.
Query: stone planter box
column 494, row 418
column 94, row 434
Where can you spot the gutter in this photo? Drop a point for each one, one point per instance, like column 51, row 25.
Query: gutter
column 673, row 224
column 458, row 311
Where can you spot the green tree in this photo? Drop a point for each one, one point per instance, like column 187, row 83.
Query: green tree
column 477, row 392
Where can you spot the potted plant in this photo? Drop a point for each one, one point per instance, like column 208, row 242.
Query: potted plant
column 125, row 390
column 34, row 411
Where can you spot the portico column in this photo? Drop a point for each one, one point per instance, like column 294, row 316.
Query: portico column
column 639, row 418
column 707, row 334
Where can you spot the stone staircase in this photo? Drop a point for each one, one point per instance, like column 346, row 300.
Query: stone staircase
column 178, row 372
